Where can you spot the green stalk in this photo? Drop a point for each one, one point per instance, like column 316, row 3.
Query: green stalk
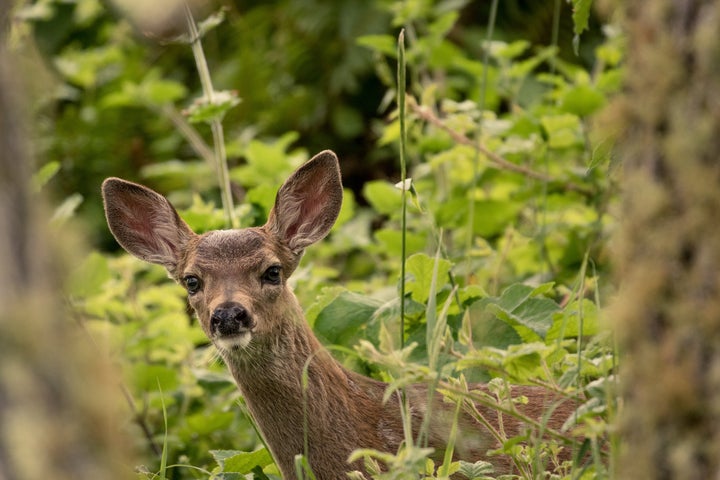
column 215, row 124
column 163, row 457
column 403, row 176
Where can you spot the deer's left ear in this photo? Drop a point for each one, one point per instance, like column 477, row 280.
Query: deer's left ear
column 308, row 203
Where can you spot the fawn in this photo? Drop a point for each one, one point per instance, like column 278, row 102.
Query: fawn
column 237, row 284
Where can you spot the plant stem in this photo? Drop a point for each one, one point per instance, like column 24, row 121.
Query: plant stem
column 494, row 160
column 403, row 176
column 215, row 124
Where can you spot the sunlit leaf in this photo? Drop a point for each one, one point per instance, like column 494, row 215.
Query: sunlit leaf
column 205, row 111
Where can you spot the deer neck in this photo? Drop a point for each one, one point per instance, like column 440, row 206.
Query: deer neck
column 297, row 391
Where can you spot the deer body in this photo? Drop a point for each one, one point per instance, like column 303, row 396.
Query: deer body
column 236, row 283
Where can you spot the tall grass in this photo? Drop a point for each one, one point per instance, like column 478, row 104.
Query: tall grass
column 209, row 96
column 401, row 74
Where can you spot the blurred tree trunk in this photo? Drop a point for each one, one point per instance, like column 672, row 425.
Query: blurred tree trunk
column 668, row 259
column 57, row 395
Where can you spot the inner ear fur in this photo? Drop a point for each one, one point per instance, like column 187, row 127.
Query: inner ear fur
column 308, row 203
column 144, row 223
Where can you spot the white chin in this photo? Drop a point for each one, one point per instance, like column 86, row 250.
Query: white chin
column 234, row 342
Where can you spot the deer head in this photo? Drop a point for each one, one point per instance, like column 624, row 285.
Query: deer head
column 235, row 279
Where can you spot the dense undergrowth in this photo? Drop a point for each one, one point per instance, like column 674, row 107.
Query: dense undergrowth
column 508, row 200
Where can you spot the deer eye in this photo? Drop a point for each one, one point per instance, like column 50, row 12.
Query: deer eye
column 192, row 284
column 272, row 275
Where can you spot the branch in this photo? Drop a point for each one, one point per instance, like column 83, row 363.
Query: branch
column 495, row 160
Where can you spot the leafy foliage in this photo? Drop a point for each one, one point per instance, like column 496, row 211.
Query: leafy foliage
column 508, row 201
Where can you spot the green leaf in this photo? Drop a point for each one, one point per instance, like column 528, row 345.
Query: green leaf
column 519, row 307
column 390, row 241
column 344, row 317
column 211, row 22
column 44, row 175
column 205, row 111
column 479, row 470
column 268, row 162
column 146, row 378
column 161, row 92
column 580, row 17
column 508, row 51
column 563, row 130
column 582, row 100
column 566, row 324
column 524, row 361
column 262, row 195
column 67, row 209
column 207, row 422
column 234, row 461
column 493, row 216
column 383, row 197
column 419, row 268
column 440, row 27
column 384, row 44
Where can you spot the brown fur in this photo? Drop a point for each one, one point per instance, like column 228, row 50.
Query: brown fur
column 339, row 411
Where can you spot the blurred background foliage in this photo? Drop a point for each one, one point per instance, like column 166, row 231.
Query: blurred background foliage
column 113, row 95
column 512, row 186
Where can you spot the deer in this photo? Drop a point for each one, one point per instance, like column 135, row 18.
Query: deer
column 302, row 400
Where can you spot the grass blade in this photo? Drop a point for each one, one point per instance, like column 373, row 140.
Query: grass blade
column 403, row 176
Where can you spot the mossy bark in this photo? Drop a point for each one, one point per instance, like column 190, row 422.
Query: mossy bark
column 668, row 258
column 57, row 394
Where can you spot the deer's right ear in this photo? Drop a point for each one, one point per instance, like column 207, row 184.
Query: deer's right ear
column 144, row 223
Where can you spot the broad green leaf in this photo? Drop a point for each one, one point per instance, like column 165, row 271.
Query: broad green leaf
column 508, row 51
column 324, row 298
column 344, row 317
column 234, row 461
column 390, row 241
column 160, row 92
column 523, row 309
column 489, row 331
column 566, row 324
column 493, row 216
column 582, row 100
column 383, row 197
column 267, row 162
column 524, row 361
column 203, row 216
column 440, row 27
column 480, row 470
column 419, row 268
column 146, row 378
column 209, row 421
column 563, row 130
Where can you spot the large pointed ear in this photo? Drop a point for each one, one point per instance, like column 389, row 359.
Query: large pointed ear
column 144, row 223
column 308, row 203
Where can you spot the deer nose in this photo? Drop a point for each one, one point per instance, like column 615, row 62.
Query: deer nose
column 230, row 318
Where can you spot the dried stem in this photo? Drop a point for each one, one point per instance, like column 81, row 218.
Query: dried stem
column 495, row 160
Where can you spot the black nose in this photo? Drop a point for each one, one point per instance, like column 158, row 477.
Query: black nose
column 230, row 318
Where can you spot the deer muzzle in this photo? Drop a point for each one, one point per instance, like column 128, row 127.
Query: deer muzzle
column 231, row 325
